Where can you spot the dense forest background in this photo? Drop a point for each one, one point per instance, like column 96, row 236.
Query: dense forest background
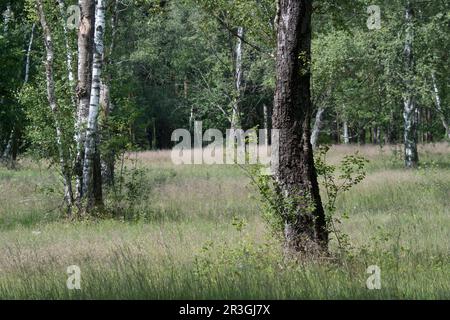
column 172, row 62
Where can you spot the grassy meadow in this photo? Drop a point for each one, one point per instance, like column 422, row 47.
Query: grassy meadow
column 197, row 232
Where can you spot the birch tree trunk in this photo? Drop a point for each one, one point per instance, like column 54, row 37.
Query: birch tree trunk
column 345, row 129
column 266, row 124
column 91, row 149
column 295, row 175
column 65, row 170
column 409, row 106
column 62, row 9
column 108, row 157
column 317, row 127
column 7, row 151
column 28, row 56
column 437, row 101
column 7, row 15
column 83, row 90
column 235, row 118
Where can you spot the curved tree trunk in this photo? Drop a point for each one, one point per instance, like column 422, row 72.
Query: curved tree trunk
column 437, row 101
column 295, row 173
column 48, row 42
column 317, row 127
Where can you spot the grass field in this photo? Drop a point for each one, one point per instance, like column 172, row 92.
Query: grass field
column 196, row 232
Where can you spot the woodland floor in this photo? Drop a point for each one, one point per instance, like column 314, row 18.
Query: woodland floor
column 196, row 231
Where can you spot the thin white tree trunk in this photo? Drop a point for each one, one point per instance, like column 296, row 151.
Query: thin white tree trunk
column 409, row 106
column 7, row 150
column 345, row 128
column 62, row 9
column 28, row 59
column 235, row 118
column 266, row 124
column 317, row 127
column 7, row 15
column 54, row 106
column 92, row 128
column 437, row 101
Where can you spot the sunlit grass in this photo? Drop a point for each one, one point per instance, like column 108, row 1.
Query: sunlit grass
column 182, row 243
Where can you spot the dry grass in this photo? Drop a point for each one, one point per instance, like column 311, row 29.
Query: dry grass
column 187, row 244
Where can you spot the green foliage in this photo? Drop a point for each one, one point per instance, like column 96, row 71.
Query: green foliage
column 337, row 180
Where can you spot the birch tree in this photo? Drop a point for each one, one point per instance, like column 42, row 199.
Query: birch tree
column 63, row 160
column 317, row 127
column 91, row 148
column 7, row 15
column 437, row 101
column 62, row 9
column 28, row 56
column 295, row 175
column 83, row 90
column 409, row 105
column 235, row 117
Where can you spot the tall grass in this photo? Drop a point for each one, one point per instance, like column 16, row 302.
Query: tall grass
column 178, row 237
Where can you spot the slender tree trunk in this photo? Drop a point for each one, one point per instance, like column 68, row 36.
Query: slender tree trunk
column 235, row 118
column 429, row 122
column 7, row 15
column 28, row 56
column 317, row 127
column 7, row 152
column 295, row 175
column 65, row 170
column 91, row 161
column 362, row 136
column 108, row 157
column 409, row 106
column 266, row 124
column 85, row 47
column 437, row 101
column 346, row 136
column 62, row 9
column 10, row 152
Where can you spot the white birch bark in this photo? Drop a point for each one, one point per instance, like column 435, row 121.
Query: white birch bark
column 28, row 57
column 345, row 129
column 437, row 101
column 92, row 127
column 62, row 9
column 235, row 118
column 317, row 127
column 54, row 106
column 83, row 90
column 7, row 15
column 7, row 150
column 409, row 106
column 266, row 124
